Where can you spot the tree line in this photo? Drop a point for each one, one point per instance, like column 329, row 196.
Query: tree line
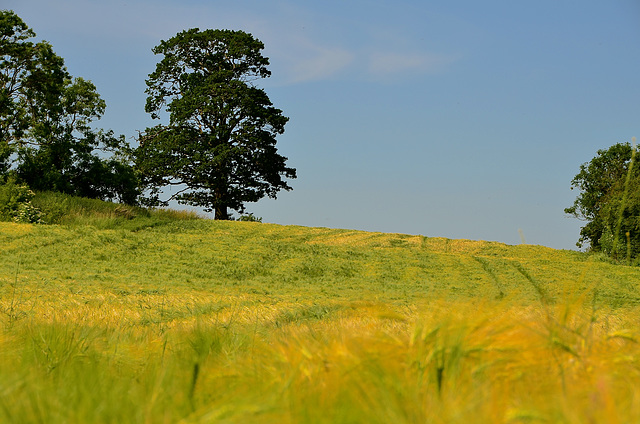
column 218, row 147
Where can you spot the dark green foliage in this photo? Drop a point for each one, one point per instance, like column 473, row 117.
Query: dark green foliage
column 17, row 60
column 250, row 218
column 46, row 137
column 219, row 144
column 609, row 202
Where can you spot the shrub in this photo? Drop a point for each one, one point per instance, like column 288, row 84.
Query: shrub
column 15, row 203
column 250, row 218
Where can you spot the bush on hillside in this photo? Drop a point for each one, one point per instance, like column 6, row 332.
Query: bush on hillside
column 15, row 203
column 250, row 218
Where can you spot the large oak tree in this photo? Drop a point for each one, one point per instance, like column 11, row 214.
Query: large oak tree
column 219, row 145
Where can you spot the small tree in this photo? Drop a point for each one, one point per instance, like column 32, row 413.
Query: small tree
column 46, row 137
column 219, row 143
column 609, row 202
column 59, row 152
column 18, row 61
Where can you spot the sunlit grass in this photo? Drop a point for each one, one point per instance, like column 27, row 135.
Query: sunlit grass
column 59, row 208
column 201, row 321
column 354, row 362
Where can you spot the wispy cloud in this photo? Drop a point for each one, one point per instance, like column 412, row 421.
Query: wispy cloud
column 324, row 63
column 300, row 53
column 384, row 64
column 314, row 63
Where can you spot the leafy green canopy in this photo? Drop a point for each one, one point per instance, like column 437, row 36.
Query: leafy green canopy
column 609, row 201
column 220, row 143
column 46, row 137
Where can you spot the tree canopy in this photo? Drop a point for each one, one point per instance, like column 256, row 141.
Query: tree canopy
column 219, row 145
column 609, row 202
column 46, row 137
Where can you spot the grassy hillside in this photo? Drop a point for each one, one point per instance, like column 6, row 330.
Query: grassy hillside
column 132, row 316
column 269, row 260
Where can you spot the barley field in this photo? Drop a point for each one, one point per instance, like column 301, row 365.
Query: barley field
column 171, row 319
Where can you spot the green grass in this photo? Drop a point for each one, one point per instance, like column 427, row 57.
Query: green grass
column 58, row 208
column 241, row 258
column 129, row 315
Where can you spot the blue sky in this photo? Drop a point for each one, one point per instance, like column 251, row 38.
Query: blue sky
column 457, row 118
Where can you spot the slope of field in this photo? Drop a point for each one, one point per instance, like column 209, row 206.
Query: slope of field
column 205, row 321
column 315, row 263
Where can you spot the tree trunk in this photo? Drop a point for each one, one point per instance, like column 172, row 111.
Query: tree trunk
column 221, row 213
column 220, row 193
column 221, row 205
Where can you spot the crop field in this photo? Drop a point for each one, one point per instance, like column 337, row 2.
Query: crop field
column 126, row 320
